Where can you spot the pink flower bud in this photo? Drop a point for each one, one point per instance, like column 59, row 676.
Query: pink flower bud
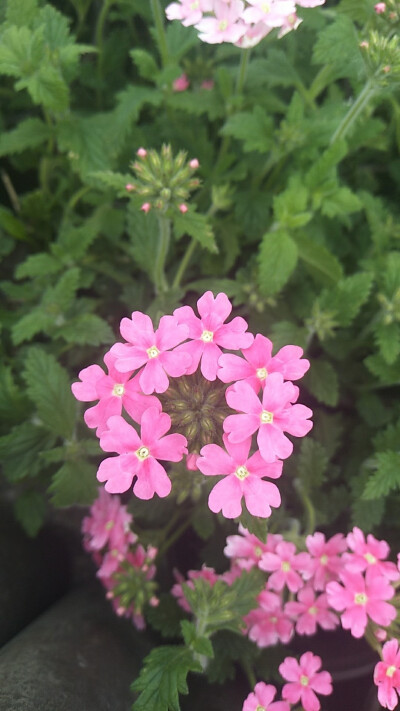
column 194, row 164
column 183, row 208
column 380, row 7
column 191, row 462
column 154, row 601
column 181, row 83
column 146, row 207
column 129, row 187
column 364, row 44
column 386, row 68
column 120, row 611
column 141, row 152
column 207, row 84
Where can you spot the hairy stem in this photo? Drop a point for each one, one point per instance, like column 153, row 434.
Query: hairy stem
column 355, row 110
column 164, row 235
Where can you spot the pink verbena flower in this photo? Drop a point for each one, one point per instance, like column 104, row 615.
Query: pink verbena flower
column 304, row 680
column 287, row 567
column 189, row 12
column 108, row 524
column 246, row 550
column 272, row 14
column 359, row 598
column 263, row 698
column 387, row 675
column 369, row 553
column 114, row 391
column 151, row 349
column 258, row 363
column 268, row 624
column 226, row 25
column 309, row 611
column 271, row 417
column 326, row 560
column 243, row 478
column 128, row 601
column 210, row 332
column 181, row 83
column 138, row 455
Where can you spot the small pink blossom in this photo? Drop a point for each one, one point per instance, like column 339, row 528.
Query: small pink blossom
column 246, row 550
column 380, row 7
column 138, row 456
column 141, row 152
column 359, row 598
column 194, row 164
column 189, row 12
column 210, row 332
column 207, row 84
column 225, row 26
column 309, row 611
column 326, row 557
column 287, row 567
column 258, row 363
column 271, row 14
column 183, row 208
column 263, row 698
column 304, row 680
column 181, row 83
column 108, row 524
column 146, row 207
column 243, row 478
column 271, row 417
column 387, row 675
column 268, row 624
column 129, row 187
column 153, row 350
column 369, row 553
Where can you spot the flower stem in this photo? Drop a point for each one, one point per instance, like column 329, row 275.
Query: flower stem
column 173, row 537
column 355, row 110
column 184, row 263
column 308, row 507
column 160, row 30
column 240, row 79
column 164, row 235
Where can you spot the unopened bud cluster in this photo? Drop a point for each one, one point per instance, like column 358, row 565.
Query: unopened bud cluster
column 163, row 181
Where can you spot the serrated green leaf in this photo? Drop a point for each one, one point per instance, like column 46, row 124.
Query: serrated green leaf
column 203, row 522
column 391, row 275
column 275, row 70
column 319, row 258
column 180, row 39
column 74, row 483
column 340, row 202
column 388, row 341
column 30, row 511
column 277, row 261
column 385, row 478
column 312, row 462
column 130, row 102
column 30, row 133
column 145, row 63
column 143, row 234
column 20, row 448
column 163, row 678
column 49, row 387
column 110, row 179
column 328, row 429
column 254, row 129
column 199, row 644
column 389, row 438
column 197, row 226
column 346, row 299
column 37, row 265
column 34, row 322
column 166, row 616
column 21, row 12
column 46, row 87
column 387, row 373
column 254, row 524
column 284, row 332
column 341, row 33
column 322, row 382
column 13, row 405
column 12, row 225
column 87, row 141
column 55, row 27
column 323, row 168
column 85, row 329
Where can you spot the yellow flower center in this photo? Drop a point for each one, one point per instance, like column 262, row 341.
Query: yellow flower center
column 118, row 390
column 285, row 566
column 261, row 373
column 242, row 473
column 273, row 619
column 260, row 708
column 267, row 417
column 223, row 25
column 304, row 680
column 390, row 671
column 207, row 336
column 370, row 558
column 313, row 610
column 142, row 453
column 195, row 5
column 258, row 552
column 360, row 598
column 265, row 7
column 109, row 525
column 324, row 559
column 153, row 352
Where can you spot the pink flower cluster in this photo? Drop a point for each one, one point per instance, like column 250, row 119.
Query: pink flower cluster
column 241, row 22
column 107, row 535
column 258, row 389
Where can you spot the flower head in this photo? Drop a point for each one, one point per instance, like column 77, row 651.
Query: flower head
column 387, row 675
column 305, row 681
column 263, row 698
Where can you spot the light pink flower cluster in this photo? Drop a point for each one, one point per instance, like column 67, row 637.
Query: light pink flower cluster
column 241, row 22
column 131, row 424
column 107, row 535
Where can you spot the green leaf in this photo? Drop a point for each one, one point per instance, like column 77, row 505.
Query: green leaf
column 37, row 265
column 163, row 678
column 388, row 341
column 312, row 462
column 13, row 405
column 21, row 12
column 340, row 202
column 275, row 70
column 110, row 179
column 385, row 478
column 130, row 102
column 195, row 225
column 323, row 167
column 284, row 332
column 203, row 521
column 145, row 63
column 387, row 373
column 49, row 387
column 87, row 141
column 254, row 129
column 46, row 87
column 74, row 483
column 30, row 511
column 35, row 321
column 30, row 133
column 180, row 39
column 254, row 524
column 277, row 261
column 166, row 616
column 85, row 329
column 346, row 299
column 323, row 262
column 342, row 34
column 322, row 382
column 20, row 449
column 199, row 644
column 12, row 226
column 143, row 234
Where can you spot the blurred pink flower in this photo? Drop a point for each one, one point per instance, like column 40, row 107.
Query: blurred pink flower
column 268, row 624
column 181, row 83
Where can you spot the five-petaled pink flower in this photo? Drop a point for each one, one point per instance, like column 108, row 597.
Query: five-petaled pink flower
column 369, row 553
column 287, row 567
column 268, row 624
column 272, row 417
column 210, row 331
column 258, row 363
column 359, row 598
column 243, row 477
column 138, row 456
column 309, row 610
column 387, row 675
column 246, row 550
column 151, row 349
column 225, row 26
column 304, row 680
column 326, row 559
column 108, row 524
column 263, row 698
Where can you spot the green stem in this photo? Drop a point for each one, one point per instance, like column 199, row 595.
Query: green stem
column 76, row 197
column 355, row 110
column 158, row 17
column 173, row 537
column 308, row 507
column 99, row 36
column 184, row 263
column 160, row 280
column 240, row 79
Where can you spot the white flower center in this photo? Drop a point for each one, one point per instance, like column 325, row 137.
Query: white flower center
column 390, row 671
column 360, row 598
column 118, row 390
column 142, row 453
column 261, row 373
column 194, row 5
column 370, row 558
column 304, row 680
column 260, row 708
column 265, row 7
column 153, row 352
column 267, row 417
column 273, row 619
column 242, row 473
column 207, row 336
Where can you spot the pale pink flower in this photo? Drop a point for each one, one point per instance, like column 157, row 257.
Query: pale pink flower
column 287, row 567
column 243, row 478
column 225, row 26
column 359, row 598
column 263, row 698
column 108, row 524
column 207, row 84
column 326, row 557
column 189, row 12
column 253, row 35
column 258, row 363
column 290, row 23
column 194, row 163
column 369, row 553
column 114, row 391
column 309, row 3
column 138, row 456
column 141, row 152
column 183, row 208
column 210, row 332
column 268, row 624
column 129, row 187
column 380, row 7
column 305, row 680
column 146, row 207
column 152, row 349
column 246, row 550
column 309, row 611
column 272, row 13
column 181, row 83
column 387, row 675
column 191, row 462
column 271, row 417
